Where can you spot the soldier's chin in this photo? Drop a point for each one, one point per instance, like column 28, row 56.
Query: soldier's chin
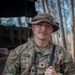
column 42, row 38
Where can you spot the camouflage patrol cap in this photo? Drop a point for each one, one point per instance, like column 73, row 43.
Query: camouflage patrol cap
column 40, row 17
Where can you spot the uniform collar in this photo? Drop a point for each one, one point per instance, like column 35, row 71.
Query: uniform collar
column 47, row 51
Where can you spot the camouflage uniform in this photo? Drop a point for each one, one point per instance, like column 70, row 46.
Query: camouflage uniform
column 27, row 59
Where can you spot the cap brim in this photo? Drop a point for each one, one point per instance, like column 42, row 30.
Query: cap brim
column 56, row 27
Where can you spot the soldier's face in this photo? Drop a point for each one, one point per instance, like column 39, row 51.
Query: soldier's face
column 42, row 30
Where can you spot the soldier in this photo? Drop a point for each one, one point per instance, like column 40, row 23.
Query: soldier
column 33, row 57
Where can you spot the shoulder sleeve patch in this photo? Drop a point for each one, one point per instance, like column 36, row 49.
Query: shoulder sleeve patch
column 72, row 64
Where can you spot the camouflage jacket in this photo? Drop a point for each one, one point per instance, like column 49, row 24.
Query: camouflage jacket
column 27, row 59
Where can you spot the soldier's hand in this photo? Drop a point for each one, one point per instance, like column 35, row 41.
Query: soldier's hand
column 50, row 71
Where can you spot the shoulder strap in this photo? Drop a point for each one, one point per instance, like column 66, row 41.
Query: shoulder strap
column 52, row 56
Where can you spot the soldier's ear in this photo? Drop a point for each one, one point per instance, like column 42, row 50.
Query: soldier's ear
column 32, row 27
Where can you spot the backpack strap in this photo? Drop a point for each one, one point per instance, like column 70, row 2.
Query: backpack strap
column 52, row 55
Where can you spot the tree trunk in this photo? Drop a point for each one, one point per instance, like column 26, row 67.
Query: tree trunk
column 43, row 6
column 72, row 27
column 61, row 25
column 65, row 32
